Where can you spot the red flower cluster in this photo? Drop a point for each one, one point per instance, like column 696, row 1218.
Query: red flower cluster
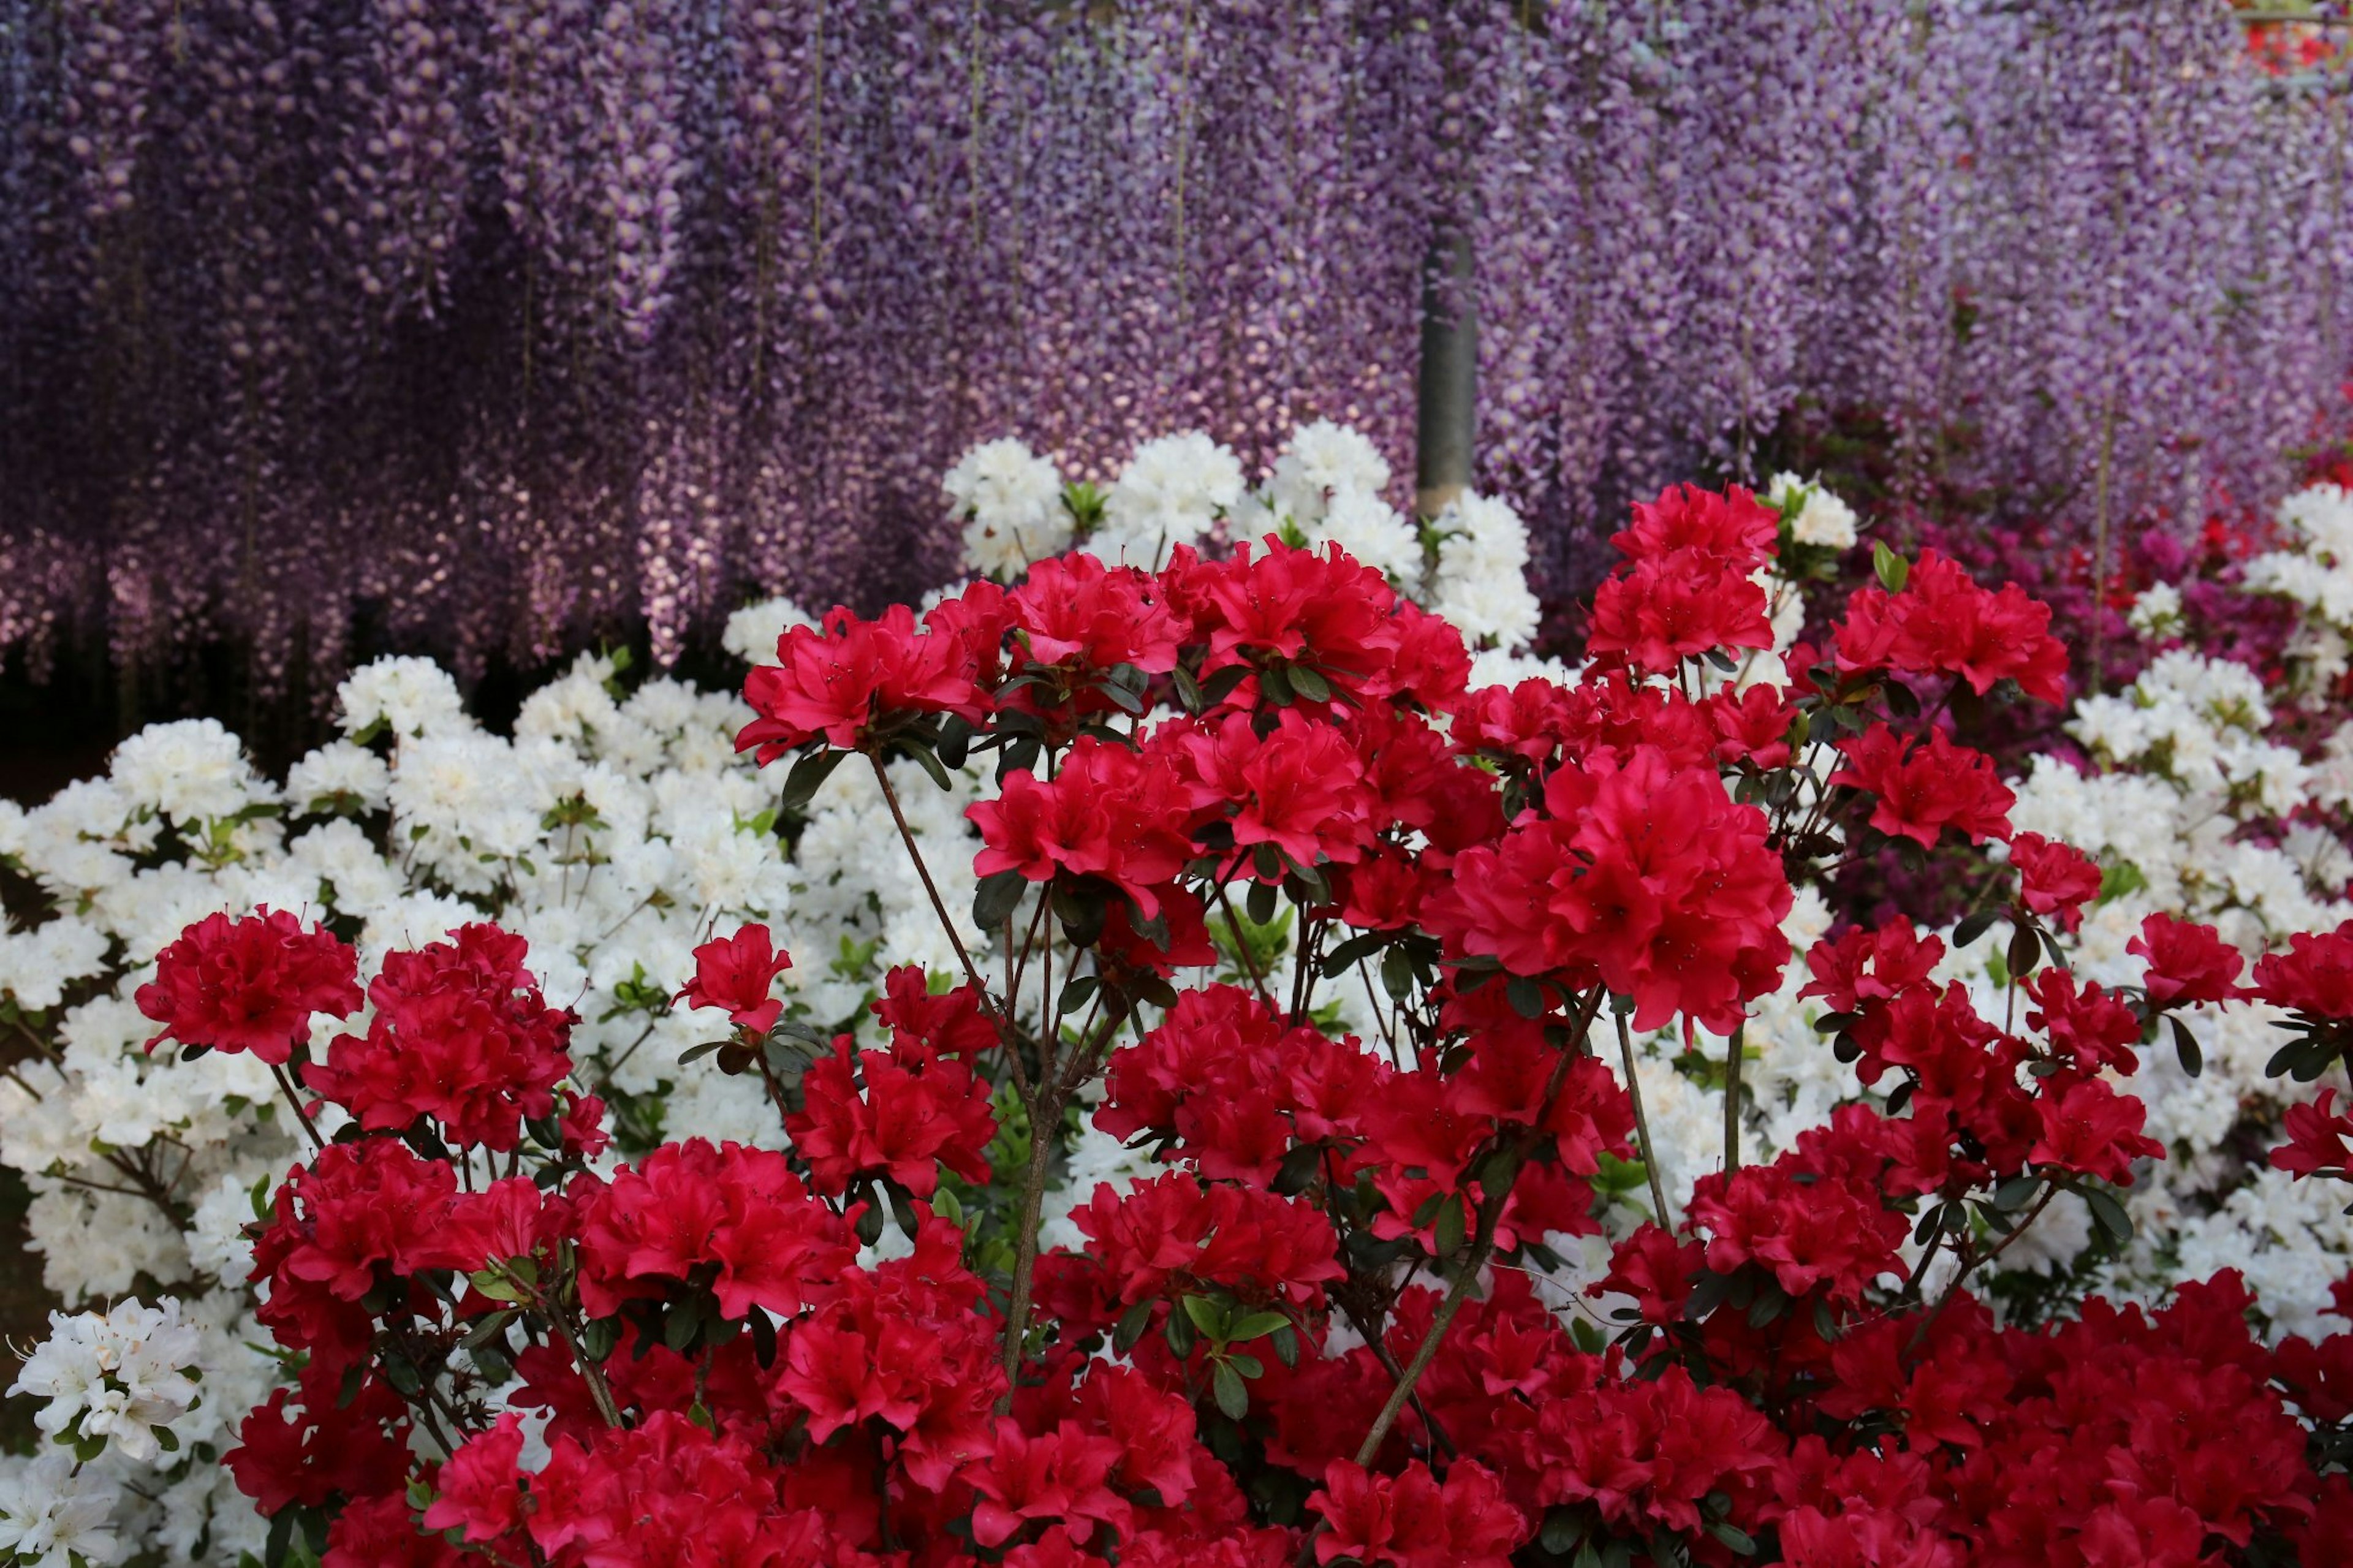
column 1685, row 918
column 2054, row 880
column 1108, row 813
column 2188, row 965
column 1415, row 1521
column 1686, row 589
column 249, row 984
column 1332, row 1327
column 1944, row 623
column 2313, row 976
column 1921, row 788
column 2319, row 1140
column 460, row 1035
column 1984, row 1105
column 917, row 1113
column 739, row 1216
column 853, row 676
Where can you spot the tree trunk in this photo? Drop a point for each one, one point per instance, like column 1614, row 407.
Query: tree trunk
column 1446, row 419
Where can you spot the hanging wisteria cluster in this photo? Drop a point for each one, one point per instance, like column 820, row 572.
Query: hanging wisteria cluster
column 482, row 327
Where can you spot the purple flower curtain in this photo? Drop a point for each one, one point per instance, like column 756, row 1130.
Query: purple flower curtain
column 490, row 325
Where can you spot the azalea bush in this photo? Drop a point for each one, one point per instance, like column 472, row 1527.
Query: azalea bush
column 1351, row 1098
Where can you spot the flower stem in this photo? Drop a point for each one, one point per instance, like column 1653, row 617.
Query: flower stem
column 1642, row 1125
column 939, row 906
column 1483, row 1247
column 1045, row 1108
column 294, row 1100
column 1736, row 1051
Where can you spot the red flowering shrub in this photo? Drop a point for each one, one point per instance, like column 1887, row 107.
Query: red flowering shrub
column 1334, row 1328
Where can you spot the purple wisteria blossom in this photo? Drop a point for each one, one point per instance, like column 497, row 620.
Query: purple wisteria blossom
column 492, row 325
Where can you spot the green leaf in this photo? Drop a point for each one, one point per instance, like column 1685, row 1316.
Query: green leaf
column 1449, row 1226
column 993, row 901
column 922, row 754
column 1084, row 910
column 489, row 1329
column 1309, row 684
column 1397, row 974
column 1563, row 1528
column 402, row 1374
column 809, row 775
column 1286, row 1345
column 2108, row 1214
column 1353, row 950
column 1525, row 995
column 2017, row 1192
column 1298, row 1169
column 1233, row 1393
column 1208, row 1317
column 1733, row 1537
column 2025, row 952
column 1220, row 686
column 2185, row 1046
column 1131, row 1326
column 600, row 1336
column 1893, row 570
column 1974, row 927
column 1255, row 1325
column 956, row 739
column 494, row 1285
column 1258, row 903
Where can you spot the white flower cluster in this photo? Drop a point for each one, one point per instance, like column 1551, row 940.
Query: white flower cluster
column 53, row 1515
column 2201, row 723
column 1326, row 486
column 2315, row 571
column 117, row 1378
column 1820, row 519
column 1011, row 501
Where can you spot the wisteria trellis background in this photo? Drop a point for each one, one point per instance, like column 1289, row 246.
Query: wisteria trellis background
column 488, row 327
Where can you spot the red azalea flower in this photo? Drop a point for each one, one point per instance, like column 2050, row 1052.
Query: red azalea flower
column 461, row 1034
column 2055, row 878
column 2093, row 1131
column 2188, row 963
column 1673, row 608
column 840, row 682
column 1414, row 1521
column 2314, row 975
column 1734, row 528
column 249, row 984
column 2317, row 1136
column 1944, row 623
column 737, row 973
column 1921, row 790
